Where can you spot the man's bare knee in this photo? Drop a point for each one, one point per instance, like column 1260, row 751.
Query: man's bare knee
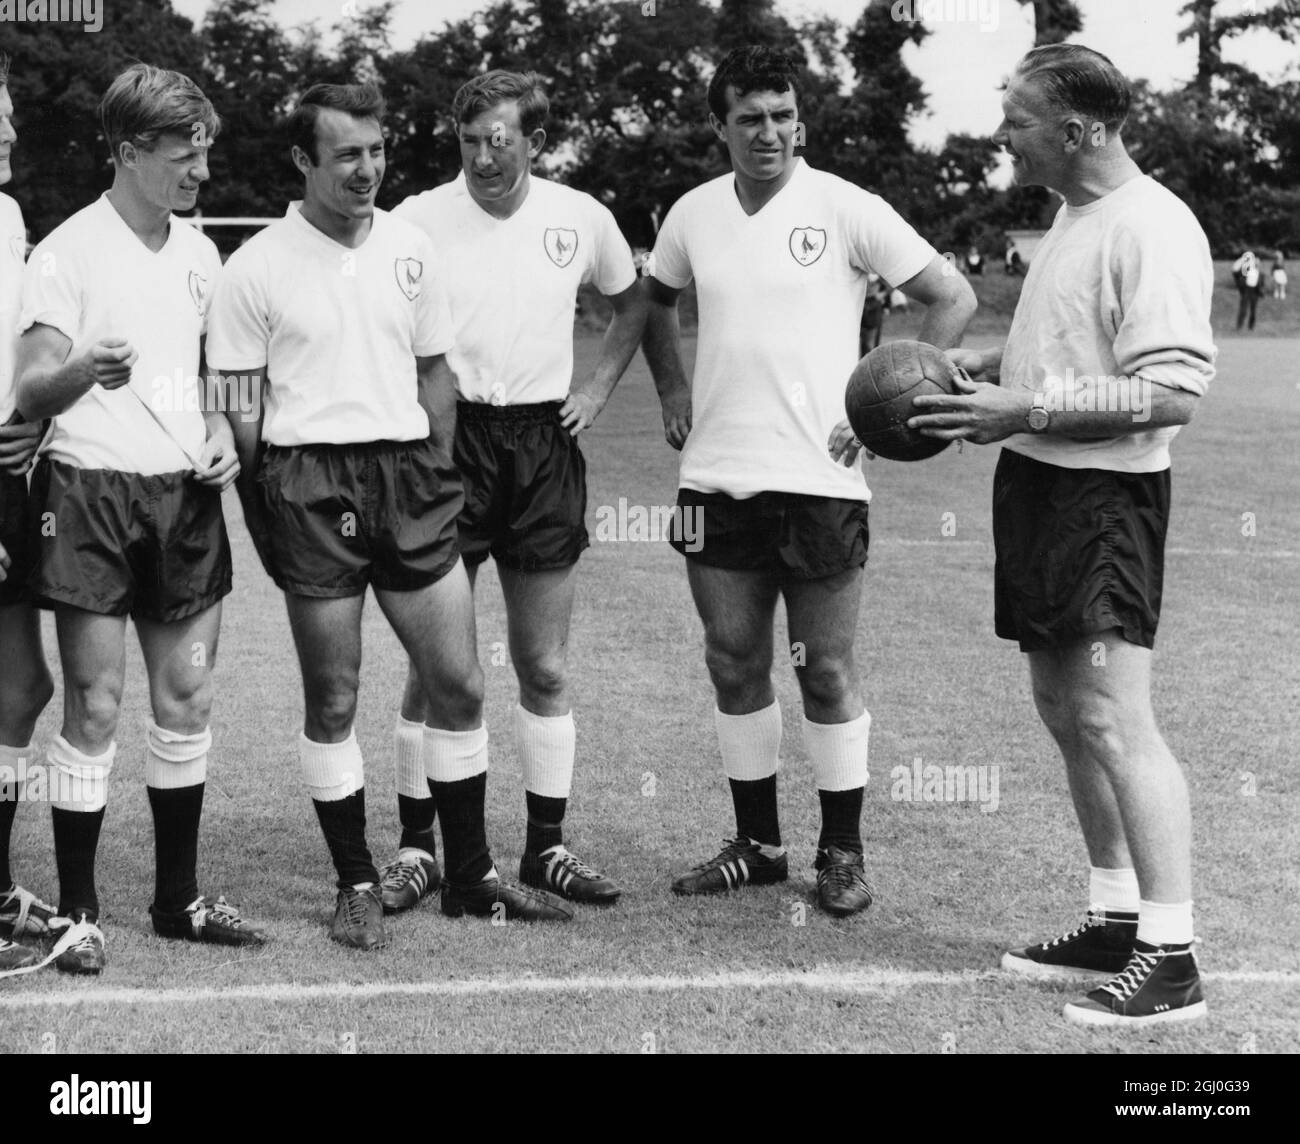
column 826, row 681
column 331, row 712
column 22, row 702
column 92, row 710
column 544, row 677
column 184, row 705
column 1113, row 735
column 735, row 672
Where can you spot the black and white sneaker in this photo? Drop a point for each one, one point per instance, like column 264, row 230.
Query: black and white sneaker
column 409, row 878
column 562, row 872
column 212, row 922
column 1160, row 984
column 740, row 861
column 1101, row 947
column 23, row 914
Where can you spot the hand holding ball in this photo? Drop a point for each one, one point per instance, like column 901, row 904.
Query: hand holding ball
column 878, row 400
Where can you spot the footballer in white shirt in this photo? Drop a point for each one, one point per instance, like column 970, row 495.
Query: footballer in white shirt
column 336, row 312
column 781, row 256
column 114, row 310
column 516, row 248
column 25, row 684
column 1108, row 355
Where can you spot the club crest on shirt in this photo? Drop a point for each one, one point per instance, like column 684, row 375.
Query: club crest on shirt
column 409, row 271
column 18, row 246
column 807, row 244
column 561, row 244
column 199, row 292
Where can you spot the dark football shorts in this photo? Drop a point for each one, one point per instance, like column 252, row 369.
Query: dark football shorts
column 792, row 535
column 1079, row 551
column 16, row 537
column 525, row 486
column 340, row 517
column 121, row 543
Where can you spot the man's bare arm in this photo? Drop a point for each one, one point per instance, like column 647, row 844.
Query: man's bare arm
column 626, row 329
column 47, row 382
column 949, row 301
column 663, row 353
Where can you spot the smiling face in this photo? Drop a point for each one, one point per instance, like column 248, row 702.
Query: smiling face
column 169, row 174
column 495, row 155
column 759, row 133
column 8, row 136
column 344, row 175
column 1032, row 132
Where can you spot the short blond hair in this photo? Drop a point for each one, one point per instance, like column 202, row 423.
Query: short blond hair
column 145, row 102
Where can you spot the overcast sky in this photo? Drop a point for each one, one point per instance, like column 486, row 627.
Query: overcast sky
column 961, row 64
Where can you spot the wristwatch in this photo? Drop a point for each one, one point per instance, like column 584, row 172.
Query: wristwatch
column 1038, row 416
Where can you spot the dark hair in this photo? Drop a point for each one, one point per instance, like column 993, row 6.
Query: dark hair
column 485, row 91
column 1076, row 78
column 145, row 102
column 359, row 100
column 749, row 69
column 4, row 69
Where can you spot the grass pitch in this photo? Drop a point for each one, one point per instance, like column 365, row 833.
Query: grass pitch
column 761, row 970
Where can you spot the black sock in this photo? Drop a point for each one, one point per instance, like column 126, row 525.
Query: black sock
column 756, row 815
column 176, row 815
column 841, row 819
column 464, row 831
column 545, row 822
column 417, row 815
column 76, row 838
column 8, row 808
column 343, row 822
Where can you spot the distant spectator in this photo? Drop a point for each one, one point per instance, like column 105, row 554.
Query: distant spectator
column 974, row 261
column 873, row 315
column 1279, row 275
column 1246, row 275
column 1014, row 263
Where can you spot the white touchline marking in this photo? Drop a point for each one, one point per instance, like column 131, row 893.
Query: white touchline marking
column 820, row 980
column 948, row 542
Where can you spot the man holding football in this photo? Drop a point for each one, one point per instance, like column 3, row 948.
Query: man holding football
column 781, row 255
column 1108, row 356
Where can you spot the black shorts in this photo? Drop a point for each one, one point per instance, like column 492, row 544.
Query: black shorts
column 340, row 517
column 1079, row 551
column 16, row 537
column 792, row 535
column 121, row 543
column 525, row 486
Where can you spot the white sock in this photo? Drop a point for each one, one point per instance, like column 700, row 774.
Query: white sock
column 78, row 782
column 838, row 752
column 408, row 746
column 332, row 771
column 451, row 756
column 173, row 760
column 750, row 744
column 1113, row 891
column 1164, row 923
column 547, row 745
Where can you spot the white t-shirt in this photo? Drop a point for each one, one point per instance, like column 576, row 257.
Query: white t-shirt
column 780, row 298
column 92, row 278
column 1119, row 288
column 512, row 283
column 13, row 253
column 337, row 329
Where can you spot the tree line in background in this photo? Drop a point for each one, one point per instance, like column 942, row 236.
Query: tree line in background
column 628, row 120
